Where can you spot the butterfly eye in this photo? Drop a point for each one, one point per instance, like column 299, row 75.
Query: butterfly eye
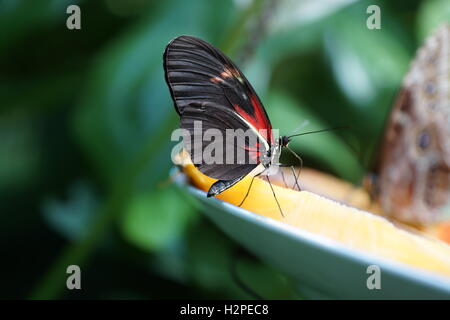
column 424, row 139
column 284, row 141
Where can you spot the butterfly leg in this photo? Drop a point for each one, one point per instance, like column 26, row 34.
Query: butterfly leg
column 294, row 174
column 300, row 167
column 248, row 190
column 296, row 178
column 273, row 192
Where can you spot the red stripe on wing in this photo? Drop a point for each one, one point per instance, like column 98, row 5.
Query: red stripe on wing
column 259, row 120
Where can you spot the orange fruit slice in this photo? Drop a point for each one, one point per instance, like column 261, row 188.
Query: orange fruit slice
column 354, row 228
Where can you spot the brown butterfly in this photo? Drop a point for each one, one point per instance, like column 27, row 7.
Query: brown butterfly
column 413, row 169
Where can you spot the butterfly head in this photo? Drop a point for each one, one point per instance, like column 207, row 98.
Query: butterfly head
column 284, row 141
column 272, row 156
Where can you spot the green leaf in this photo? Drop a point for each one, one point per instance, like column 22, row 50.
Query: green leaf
column 71, row 217
column 294, row 14
column 431, row 15
column 155, row 220
column 293, row 27
column 366, row 63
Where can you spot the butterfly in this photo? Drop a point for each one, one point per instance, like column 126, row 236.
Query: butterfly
column 413, row 170
column 208, row 88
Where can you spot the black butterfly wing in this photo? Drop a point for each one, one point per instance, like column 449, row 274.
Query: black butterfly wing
column 197, row 72
column 207, row 87
column 215, row 150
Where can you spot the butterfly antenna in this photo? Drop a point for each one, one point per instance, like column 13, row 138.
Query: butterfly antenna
column 273, row 192
column 317, row 131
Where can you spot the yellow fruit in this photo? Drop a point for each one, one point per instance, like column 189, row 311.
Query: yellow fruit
column 349, row 226
column 440, row 230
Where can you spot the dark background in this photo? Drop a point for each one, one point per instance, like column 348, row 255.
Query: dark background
column 86, row 117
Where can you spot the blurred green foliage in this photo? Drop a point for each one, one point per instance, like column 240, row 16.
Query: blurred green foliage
column 86, row 117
